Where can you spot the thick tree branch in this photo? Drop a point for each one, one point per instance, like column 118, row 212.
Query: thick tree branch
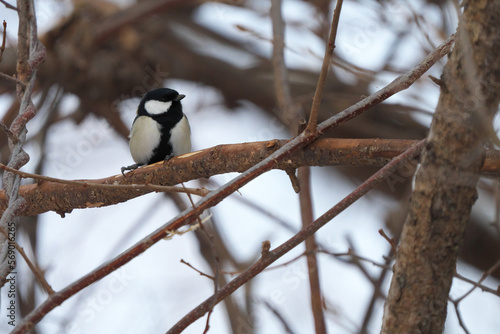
column 30, row 54
column 445, row 185
column 63, row 198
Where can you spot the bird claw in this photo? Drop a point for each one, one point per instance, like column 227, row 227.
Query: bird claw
column 131, row 167
column 167, row 158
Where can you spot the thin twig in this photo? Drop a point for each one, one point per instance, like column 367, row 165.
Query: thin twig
column 195, row 191
column 8, row 133
column 2, row 47
column 289, row 112
column 483, row 288
column 351, row 254
column 213, row 249
column 34, row 269
column 391, row 241
column 355, row 261
column 318, row 94
column 9, row 6
column 496, row 196
column 377, row 293
column 307, row 216
column 198, row 271
column 461, row 322
column 483, row 277
column 280, row 317
column 284, row 264
column 13, row 79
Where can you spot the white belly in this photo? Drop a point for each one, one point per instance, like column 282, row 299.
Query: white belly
column 180, row 137
column 144, row 138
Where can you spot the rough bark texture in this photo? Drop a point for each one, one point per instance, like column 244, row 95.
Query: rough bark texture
column 51, row 196
column 445, row 186
column 46, row 196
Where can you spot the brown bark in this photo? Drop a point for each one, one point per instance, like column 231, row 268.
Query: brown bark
column 306, row 211
column 62, row 198
column 445, row 186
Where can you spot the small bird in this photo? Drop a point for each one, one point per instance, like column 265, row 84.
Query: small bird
column 160, row 130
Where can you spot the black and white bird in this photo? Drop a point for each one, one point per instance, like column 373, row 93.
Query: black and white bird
column 160, row 130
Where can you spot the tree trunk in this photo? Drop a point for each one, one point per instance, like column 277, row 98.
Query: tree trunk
column 445, row 185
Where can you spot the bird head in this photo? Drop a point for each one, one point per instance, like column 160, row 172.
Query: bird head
column 159, row 101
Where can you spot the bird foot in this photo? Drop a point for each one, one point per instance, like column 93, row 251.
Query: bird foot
column 167, row 158
column 131, row 167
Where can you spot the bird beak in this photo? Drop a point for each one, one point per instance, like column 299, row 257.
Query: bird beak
column 179, row 97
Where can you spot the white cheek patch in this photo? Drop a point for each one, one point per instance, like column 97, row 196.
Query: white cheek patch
column 154, row 107
column 180, row 137
column 144, row 138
